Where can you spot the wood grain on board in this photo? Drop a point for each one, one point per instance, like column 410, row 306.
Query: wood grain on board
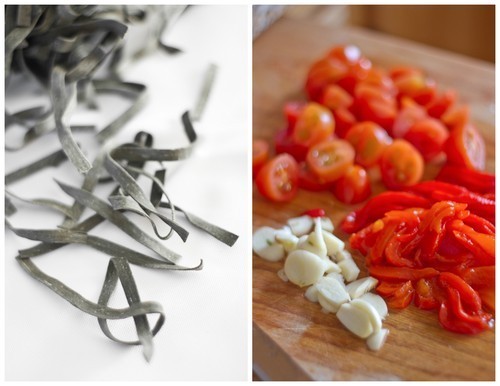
column 293, row 338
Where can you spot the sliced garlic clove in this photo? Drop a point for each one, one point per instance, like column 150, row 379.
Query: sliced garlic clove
column 360, row 287
column 349, row 269
column 286, row 238
column 342, row 255
column 265, row 245
column 311, row 294
column 327, row 224
column 300, row 225
column 377, row 302
column 355, row 320
column 282, row 275
column 376, row 340
column 333, row 243
column 331, row 294
column 304, row 268
column 370, row 311
column 332, row 267
column 337, row 276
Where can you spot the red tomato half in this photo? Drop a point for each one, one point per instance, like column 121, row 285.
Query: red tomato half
column 314, row 124
column 428, row 136
column 309, row 181
column 329, row 160
column 465, row 147
column 369, row 141
column 354, row 186
column 278, row 178
column 292, row 111
column 283, row 143
column 401, row 165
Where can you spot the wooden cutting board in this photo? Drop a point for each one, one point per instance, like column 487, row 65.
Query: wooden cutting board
column 292, row 338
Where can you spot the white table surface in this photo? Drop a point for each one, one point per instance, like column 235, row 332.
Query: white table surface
column 206, row 333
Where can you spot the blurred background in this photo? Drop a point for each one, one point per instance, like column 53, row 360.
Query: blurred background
column 464, row 29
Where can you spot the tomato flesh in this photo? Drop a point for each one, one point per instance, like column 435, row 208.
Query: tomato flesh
column 401, row 165
column 466, row 147
column 369, row 141
column 260, row 154
column 278, row 178
column 314, row 124
column 354, row 186
column 329, row 160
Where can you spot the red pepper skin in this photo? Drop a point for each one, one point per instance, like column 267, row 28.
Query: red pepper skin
column 442, row 191
column 479, row 277
column 402, row 297
column 481, row 245
column 427, row 294
column 316, row 212
column 479, row 224
column 377, row 206
column 474, row 180
column 453, row 323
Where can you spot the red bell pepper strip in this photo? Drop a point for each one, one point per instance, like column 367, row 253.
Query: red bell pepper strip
column 427, row 294
column 479, row 224
column 402, row 297
column 480, row 244
column 377, row 206
column 442, row 191
column 469, row 325
column 474, row 180
column 316, row 212
column 479, row 277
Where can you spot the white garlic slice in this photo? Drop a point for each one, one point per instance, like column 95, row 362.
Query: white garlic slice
column 355, row 320
column 331, row 294
column 300, row 225
column 337, row 276
column 265, row 245
column 376, row 340
column 327, row 224
column 349, row 269
column 286, row 238
column 370, row 311
column 314, row 242
column 304, row 268
column 311, row 294
column 377, row 302
column 282, row 275
column 333, row 243
column 361, row 286
column 342, row 255
column 332, row 267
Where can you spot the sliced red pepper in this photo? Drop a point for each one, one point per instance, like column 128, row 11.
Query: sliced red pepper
column 402, row 273
column 479, row 277
column 427, row 294
column 453, row 323
column 377, row 206
column 402, row 297
column 487, row 296
column 474, row 180
column 481, row 245
column 468, row 296
column 442, row 191
column 393, row 254
column 386, row 289
column 479, row 224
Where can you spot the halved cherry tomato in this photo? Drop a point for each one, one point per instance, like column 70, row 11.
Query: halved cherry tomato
column 260, row 153
column 322, row 73
column 409, row 114
column 369, row 141
column 456, row 116
column 344, row 120
column 283, row 143
column 354, row 186
column 465, row 147
column 428, row 136
column 314, row 124
column 441, row 103
column 329, row 160
column 401, row 165
column 278, row 178
column 309, row 181
column 399, row 71
column 345, row 53
column 379, row 110
column 335, row 97
column 292, row 111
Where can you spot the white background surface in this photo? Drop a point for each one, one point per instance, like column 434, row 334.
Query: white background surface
column 206, row 333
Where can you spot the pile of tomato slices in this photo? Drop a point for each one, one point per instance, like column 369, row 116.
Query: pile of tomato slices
column 360, row 118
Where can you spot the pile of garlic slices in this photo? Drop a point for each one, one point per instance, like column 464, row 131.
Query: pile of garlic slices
column 316, row 258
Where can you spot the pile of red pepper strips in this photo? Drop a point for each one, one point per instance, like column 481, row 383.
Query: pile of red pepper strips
column 432, row 242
